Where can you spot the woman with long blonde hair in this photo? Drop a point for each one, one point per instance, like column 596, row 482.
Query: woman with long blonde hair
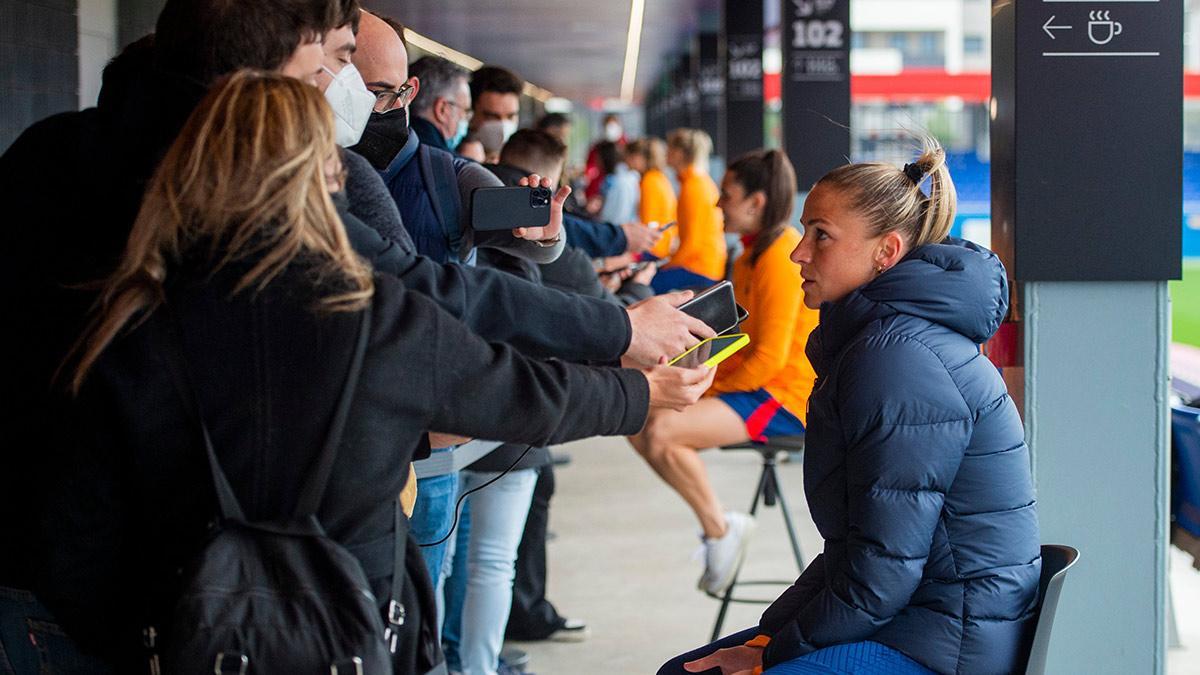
column 239, row 265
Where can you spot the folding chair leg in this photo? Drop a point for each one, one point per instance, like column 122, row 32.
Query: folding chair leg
column 787, row 520
column 758, row 494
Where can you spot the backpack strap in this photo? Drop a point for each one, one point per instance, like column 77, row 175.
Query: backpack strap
column 396, row 613
column 440, row 176
column 227, row 501
column 318, row 478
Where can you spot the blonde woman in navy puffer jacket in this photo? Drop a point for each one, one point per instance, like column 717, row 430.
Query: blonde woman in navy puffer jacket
column 916, row 470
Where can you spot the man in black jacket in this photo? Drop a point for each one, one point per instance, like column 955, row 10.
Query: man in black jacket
column 75, row 181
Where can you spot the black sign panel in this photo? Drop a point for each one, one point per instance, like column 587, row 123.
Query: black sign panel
column 710, row 85
column 816, row 86
column 1087, row 145
column 743, row 76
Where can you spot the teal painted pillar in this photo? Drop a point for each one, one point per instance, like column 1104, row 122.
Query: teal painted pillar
column 1095, row 412
column 1086, row 133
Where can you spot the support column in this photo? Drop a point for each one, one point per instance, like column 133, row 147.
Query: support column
column 1086, row 204
column 97, row 45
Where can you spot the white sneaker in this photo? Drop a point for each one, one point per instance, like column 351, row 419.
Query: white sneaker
column 723, row 557
column 572, row 630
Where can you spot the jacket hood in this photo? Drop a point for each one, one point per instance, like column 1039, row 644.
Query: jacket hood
column 956, row 284
column 144, row 106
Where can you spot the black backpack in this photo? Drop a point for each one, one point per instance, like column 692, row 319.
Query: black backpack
column 280, row 596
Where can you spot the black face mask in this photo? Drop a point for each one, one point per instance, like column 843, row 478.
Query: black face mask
column 385, row 135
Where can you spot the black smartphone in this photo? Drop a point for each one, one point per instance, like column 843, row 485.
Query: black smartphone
column 716, row 307
column 507, row 208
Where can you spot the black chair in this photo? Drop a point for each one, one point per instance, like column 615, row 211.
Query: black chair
column 1056, row 560
column 768, row 493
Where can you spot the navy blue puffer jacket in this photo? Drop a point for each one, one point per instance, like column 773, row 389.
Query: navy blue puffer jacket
column 917, row 475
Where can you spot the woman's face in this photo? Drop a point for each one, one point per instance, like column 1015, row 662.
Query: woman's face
column 334, row 177
column 636, row 162
column 676, row 159
column 837, row 254
column 743, row 212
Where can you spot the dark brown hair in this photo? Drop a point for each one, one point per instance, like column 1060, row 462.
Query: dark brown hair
column 533, row 150
column 610, row 155
column 495, row 79
column 769, row 172
column 349, row 12
column 205, row 39
column 553, row 120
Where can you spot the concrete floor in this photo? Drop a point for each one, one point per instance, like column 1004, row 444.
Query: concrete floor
column 623, row 562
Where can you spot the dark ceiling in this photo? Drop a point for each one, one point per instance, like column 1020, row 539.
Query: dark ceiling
column 576, row 49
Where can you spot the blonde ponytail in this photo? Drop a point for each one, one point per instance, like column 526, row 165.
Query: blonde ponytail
column 892, row 201
column 942, row 202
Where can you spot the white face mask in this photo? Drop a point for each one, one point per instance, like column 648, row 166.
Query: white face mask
column 612, row 132
column 509, row 127
column 352, row 104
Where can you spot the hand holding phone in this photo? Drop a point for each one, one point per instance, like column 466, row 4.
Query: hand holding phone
column 677, row 388
column 507, row 208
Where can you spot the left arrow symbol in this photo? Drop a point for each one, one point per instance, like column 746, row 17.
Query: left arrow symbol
column 1048, row 27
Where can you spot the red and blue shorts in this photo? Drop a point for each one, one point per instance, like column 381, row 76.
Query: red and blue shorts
column 764, row 416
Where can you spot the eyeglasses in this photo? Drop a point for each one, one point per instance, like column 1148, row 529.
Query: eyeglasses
column 387, row 99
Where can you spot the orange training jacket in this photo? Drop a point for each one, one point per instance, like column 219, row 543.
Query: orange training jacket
column 779, row 326
column 659, row 205
column 701, row 226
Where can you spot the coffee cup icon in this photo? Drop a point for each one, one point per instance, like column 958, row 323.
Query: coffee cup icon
column 1102, row 29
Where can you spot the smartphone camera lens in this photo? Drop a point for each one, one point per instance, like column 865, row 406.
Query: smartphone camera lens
column 539, row 197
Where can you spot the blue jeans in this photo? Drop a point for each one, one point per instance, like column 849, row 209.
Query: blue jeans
column 32, row 642
column 431, row 520
column 454, row 573
column 480, row 613
column 678, row 278
column 854, row 658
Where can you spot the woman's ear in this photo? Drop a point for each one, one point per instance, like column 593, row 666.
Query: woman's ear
column 891, row 249
column 758, row 203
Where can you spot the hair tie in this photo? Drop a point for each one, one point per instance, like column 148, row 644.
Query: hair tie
column 915, row 172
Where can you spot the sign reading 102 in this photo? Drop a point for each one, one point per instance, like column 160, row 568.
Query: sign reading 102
column 818, row 34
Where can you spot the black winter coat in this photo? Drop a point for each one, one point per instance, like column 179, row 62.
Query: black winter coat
column 267, row 371
column 71, row 187
column 917, row 475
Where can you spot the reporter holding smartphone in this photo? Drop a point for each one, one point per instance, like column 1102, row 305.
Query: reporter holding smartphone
column 760, row 391
column 239, row 262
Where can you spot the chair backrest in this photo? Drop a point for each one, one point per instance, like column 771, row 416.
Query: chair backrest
column 1056, row 560
column 1185, row 463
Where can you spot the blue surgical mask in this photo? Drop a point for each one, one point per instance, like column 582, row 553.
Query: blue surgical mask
column 459, row 134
